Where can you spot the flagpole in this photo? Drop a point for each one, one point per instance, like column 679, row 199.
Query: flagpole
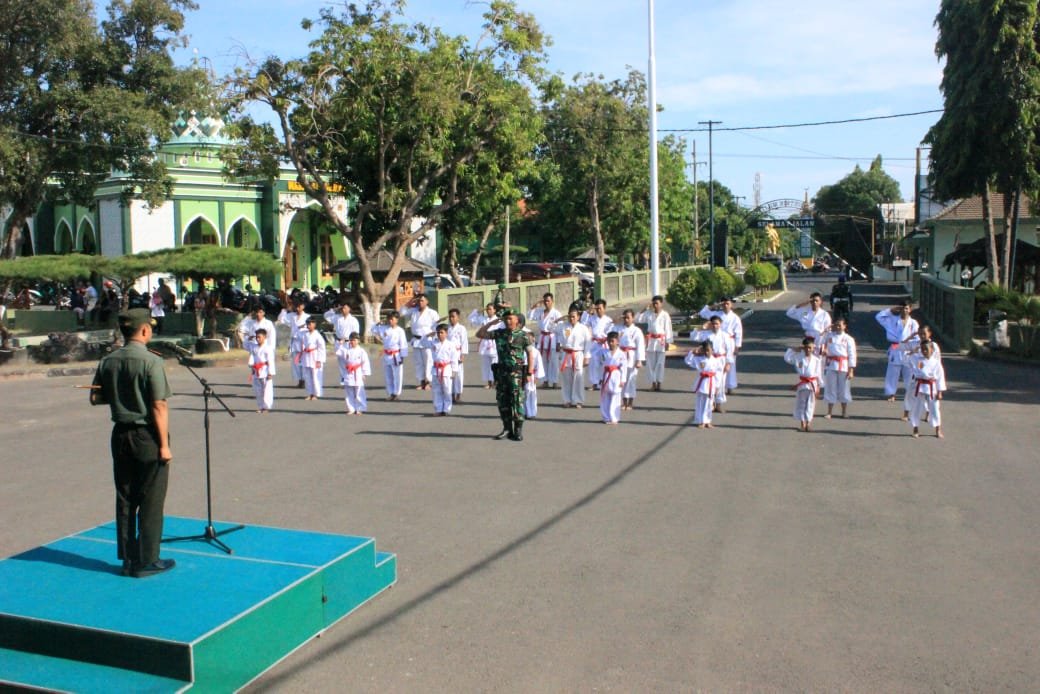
column 651, row 97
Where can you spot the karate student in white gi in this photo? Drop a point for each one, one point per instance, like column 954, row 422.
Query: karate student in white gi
column 545, row 318
column 631, row 342
column 395, row 349
column 926, row 373
column 599, row 324
column 354, row 362
column 912, row 348
column 731, row 325
column 424, row 322
column 899, row 327
column 444, row 362
column 457, row 334
column 310, row 357
column 807, row 365
column 614, row 368
column 658, row 338
column 343, row 326
column 486, row 347
column 721, row 346
column 708, row 366
column 572, row 341
column 253, row 322
column 261, row 369
column 839, row 367
column 814, row 321
column 297, row 322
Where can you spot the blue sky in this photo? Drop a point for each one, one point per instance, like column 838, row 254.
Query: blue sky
column 742, row 62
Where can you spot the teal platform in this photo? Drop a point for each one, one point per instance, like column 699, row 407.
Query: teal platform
column 70, row 622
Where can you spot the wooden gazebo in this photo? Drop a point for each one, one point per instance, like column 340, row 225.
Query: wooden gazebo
column 409, row 282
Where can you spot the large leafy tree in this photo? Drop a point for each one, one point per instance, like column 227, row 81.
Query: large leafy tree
column 80, row 97
column 597, row 168
column 986, row 138
column 398, row 116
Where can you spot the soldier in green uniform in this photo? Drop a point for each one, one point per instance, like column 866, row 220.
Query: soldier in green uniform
column 132, row 382
column 515, row 353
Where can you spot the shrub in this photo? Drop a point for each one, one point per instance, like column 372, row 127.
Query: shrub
column 688, row 292
column 761, row 275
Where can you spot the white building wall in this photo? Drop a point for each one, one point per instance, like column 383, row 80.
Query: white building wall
column 424, row 249
column 152, row 229
column 110, row 238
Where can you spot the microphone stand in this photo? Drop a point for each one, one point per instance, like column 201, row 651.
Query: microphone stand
column 209, row 534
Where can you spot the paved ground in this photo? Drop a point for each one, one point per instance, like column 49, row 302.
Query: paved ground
column 651, row 556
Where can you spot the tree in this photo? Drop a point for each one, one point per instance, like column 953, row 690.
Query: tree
column 596, row 147
column 987, row 136
column 859, row 193
column 761, row 275
column 396, row 116
column 80, row 98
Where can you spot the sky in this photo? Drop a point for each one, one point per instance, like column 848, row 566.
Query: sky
column 744, row 63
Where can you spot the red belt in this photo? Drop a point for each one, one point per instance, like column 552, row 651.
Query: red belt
column 351, row 368
column 710, row 375
column 391, row 352
column 545, row 343
column 441, row 366
column 841, row 361
column 257, row 367
column 657, row 336
column 811, row 380
column 895, row 345
column 628, row 349
column 300, row 354
column 930, row 382
column 568, row 359
column 607, row 371
column 600, row 340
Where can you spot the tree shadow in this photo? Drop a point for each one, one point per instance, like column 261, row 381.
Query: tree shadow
column 69, row 559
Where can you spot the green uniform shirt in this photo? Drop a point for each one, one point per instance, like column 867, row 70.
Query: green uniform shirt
column 512, row 346
column 131, row 380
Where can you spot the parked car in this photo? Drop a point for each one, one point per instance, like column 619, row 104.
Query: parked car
column 525, row 272
column 432, row 283
column 578, row 269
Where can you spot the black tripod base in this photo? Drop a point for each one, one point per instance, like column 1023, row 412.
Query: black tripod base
column 209, row 535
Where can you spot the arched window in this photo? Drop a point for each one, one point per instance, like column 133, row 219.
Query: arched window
column 201, row 232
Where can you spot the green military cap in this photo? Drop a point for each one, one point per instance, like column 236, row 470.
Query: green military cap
column 135, row 318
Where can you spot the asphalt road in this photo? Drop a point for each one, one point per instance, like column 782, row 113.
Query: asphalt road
column 651, row 556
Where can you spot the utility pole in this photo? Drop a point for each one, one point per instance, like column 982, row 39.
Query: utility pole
column 696, row 212
column 711, row 185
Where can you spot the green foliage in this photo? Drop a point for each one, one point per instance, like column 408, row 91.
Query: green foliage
column 859, row 193
column 761, row 275
column 218, row 262
column 1017, row 306
column 409, row 121
column 688, row 291
column 79, row 98
column 58, row 268
column 726, row 282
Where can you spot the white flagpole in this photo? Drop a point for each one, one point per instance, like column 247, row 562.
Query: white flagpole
column 651, row 97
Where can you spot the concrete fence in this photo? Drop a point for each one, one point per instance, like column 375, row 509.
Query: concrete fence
column 948, row 308
column 625, row 287
column 522, row 296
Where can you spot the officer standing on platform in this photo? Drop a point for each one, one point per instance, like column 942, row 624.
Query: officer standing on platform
column 516, row 354
column 132, row 382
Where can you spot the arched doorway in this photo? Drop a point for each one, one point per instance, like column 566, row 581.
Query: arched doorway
column 244, row 235
column 63, row 239
column 25, row 244
column 87, row 240
column 200, row 233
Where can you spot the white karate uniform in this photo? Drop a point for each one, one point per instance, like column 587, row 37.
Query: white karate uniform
column 658, row 337
column 721, row 346
column 248, row 327
column 297, row 323
column 573, row 341
column 531, row 385
column 457, row 334
column 731, row 325
column 706, row 385
column 444, row 361
column 807, row 368
column 599, row 326
column 395, row 349
column 261, row 371
column 896, row 333
column 422, row 324
column 486, row 347
column 614, row 376
column 839, row 356
column 926, row 375
column 814, row 324
column 911, row 348
column 310, row 356
column 545, row 340
column 354, row 363
column 631, row 341
column 342, row 327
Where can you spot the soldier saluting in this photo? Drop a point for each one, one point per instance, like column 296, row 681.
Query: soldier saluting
column 516, row 353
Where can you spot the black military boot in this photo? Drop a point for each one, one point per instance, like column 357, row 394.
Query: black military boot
column 507, row 430
column 518, row 431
